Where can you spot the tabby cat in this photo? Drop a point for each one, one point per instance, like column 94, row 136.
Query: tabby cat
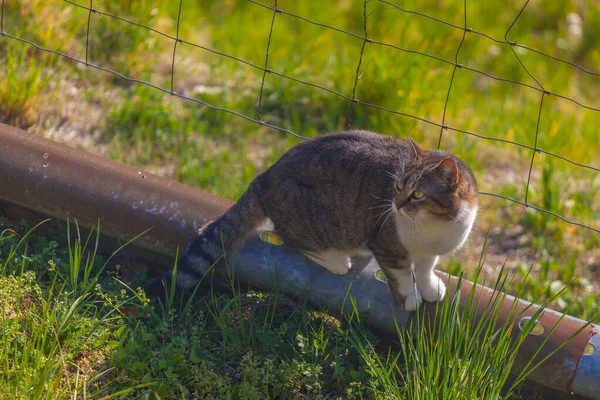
column 345, row 194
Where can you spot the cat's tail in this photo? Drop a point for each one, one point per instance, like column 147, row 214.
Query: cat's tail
column 220, row 237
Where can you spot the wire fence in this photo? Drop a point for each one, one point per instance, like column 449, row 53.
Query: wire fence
column 267, row 70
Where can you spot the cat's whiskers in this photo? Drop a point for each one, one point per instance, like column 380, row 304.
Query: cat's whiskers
column 384, row 221
column 382, row 214
column 380, row 206
column 455, row 220
column 286, row 196
column 379, row 198
column 381, row 202
column 420, row 226
column 393, row 176
column 412, row 229
column 416, row 230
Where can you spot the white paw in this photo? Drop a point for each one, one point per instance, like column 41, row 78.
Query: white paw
column 434, row 289
column 412, row 301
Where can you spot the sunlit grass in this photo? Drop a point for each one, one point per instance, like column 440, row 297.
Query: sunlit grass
column 64, row 331
column 222, row 153
column 449, row 353
column 62, row 338
column 54, row 337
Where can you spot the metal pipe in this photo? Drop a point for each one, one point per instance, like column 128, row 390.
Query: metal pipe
column 64, row 183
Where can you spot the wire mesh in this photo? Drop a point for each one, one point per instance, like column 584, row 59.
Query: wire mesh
column 267, row 70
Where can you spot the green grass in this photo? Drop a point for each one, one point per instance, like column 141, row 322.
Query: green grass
column 222, row 153
column 19, row 91
column 453, row 355
column 68, row 331
column 147, row 128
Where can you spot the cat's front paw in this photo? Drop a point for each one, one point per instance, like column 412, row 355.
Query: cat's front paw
column 433, row 290
column 413, row 301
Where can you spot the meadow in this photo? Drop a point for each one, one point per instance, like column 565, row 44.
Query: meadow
column 317, row 61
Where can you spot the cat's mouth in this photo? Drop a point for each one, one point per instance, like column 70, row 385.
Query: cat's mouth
column 401, row 211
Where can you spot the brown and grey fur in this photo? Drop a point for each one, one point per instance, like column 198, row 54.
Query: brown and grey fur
column 344, row 194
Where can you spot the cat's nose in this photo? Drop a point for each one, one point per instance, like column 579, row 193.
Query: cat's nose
column 399, row 203
column 399, row 209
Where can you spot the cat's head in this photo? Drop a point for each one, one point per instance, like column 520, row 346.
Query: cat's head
column 436, row 185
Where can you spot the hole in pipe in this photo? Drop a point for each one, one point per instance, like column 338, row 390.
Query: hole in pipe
column 589, row 349
column 537, row 329
column 380, row 276
column 271, row 238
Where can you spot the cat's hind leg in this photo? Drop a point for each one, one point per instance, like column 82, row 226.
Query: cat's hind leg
column 333, row 260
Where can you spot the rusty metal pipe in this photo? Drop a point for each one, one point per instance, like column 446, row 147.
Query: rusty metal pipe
column 64, row 182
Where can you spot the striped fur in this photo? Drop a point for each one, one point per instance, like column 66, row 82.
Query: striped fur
column 350, row 193
column 226, row 234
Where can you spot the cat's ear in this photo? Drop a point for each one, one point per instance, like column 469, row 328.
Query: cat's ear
column 448, row 170
column 419, row 152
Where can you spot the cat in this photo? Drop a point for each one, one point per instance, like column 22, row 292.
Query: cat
column 345, row 194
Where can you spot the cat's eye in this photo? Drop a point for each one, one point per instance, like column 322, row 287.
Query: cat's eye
column 399, row 186
column 417, row 194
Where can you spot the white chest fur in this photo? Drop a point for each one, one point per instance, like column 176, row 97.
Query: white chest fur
column 428, row 235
